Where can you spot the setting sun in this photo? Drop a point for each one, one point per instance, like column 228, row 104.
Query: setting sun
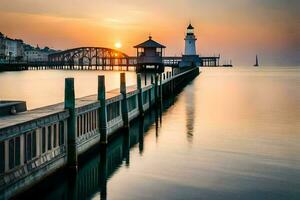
column 118, row 45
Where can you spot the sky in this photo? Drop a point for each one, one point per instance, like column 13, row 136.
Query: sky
column 236, row 29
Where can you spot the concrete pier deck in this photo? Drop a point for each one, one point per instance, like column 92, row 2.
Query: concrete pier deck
column 36, row 143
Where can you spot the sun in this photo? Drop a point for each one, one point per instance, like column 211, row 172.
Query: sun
column 118, row 45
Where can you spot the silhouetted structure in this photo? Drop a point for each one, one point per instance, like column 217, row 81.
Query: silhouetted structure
column 190, row 57
column 149, row 56
column 256, row 62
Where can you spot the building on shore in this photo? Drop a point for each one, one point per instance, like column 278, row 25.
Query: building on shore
column 15, row 50
column 11, row 50
column 2, row 47
column 37, row 54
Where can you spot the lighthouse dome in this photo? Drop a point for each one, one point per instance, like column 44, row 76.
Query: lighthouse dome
column 190, row 26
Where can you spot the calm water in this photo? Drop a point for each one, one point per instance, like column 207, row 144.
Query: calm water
column 231, row 134
column 42, row 88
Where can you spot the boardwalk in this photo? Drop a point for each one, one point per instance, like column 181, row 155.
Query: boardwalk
column 36, row 143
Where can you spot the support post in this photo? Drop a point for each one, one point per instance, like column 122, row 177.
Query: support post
column 124, row 100
column 172, row 82
column 102, row 117
column 161, row 91
column 71, row 123
column 156, row 89
column 169, row 83
column 140, row 94
column 149, row 98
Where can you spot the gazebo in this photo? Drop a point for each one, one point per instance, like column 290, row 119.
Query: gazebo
column 149, row 56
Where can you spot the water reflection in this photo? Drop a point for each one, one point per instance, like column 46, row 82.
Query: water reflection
column 243, row 126
column 190, row 111
column 103, row 173
column 156, row 123
column 126, row 146
column 97, row 168
column 141, row 136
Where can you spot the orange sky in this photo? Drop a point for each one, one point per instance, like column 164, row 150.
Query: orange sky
column 237, row 29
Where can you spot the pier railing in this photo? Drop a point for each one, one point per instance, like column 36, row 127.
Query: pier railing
column 35, row 143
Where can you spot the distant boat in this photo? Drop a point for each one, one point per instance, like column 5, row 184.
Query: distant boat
column 256, row 63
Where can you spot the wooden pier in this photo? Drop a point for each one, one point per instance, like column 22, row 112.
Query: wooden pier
column 36, row 143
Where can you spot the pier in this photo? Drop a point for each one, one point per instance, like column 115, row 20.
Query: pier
column 98, row 166
column 99, row 58
column 36, row 143
column 126, row 63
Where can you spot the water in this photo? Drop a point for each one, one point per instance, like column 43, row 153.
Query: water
column 231, row 134
column 42, row 88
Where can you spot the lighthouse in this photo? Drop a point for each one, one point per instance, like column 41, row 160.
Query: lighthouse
column 190, row 57
column 190, row 41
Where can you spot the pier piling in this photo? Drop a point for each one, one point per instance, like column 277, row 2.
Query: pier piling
column 156, row 90
column 160, row 91
column 140, row 94
column 102, row 117
column 71, row 123
column 124, row 100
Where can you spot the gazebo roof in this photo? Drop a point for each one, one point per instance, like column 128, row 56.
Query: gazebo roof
column 150, row 44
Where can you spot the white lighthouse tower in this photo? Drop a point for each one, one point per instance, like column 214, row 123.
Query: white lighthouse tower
column 190, row 57
column 190, row 41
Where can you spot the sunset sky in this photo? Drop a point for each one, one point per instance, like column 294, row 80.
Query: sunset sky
column 237, row 29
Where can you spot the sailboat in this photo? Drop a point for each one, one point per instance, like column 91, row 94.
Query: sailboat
column 256, row 63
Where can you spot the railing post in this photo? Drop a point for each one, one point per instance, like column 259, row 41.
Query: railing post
column 150, row 92
column 156, row 89
column 124, row 100
column 169, row 83
column 71, row 123
column 161, row 91
column 140, row 94
column 102, row 117
column 172, row 81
